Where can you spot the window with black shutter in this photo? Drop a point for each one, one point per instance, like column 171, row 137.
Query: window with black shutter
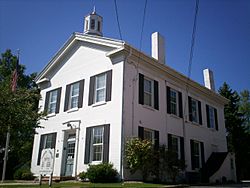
column 197, row 154
column 150, row 135
column 100, row 88
column 174, row 102
column 212, row 118
column 195, row 113
column 97, row 144
column 52, row 101
column 148, row 92
column 46, row 141
column 176, row 144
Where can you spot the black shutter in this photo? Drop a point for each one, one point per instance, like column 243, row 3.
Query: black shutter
column 192, row 154
column 141, row 132
column 156, row 136
column 58, row 99
column 66, row 102
column 200, row 113
column 46, row 101
column 141, row 89
column 216, row 119
column 180, row 105
column 202, row 154
column 190, row 108
column 182, row 148
column 208, row 115
column 40, row 149
column 91, row 90
column 169, row 142
column 168, row 100
column 156, row 95
column 87, row 145
column 108, row 85
column 106, row 143
column 53, row 144
column 81, row 90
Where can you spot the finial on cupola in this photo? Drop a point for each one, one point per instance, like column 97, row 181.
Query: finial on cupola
column 93, row 24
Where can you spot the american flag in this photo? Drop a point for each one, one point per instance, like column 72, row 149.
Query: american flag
column 14, row 77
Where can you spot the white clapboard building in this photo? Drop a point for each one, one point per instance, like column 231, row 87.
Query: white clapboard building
column 100, row 91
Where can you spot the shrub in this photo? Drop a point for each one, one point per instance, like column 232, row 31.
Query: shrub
column 102, row 173
column 23, row 173
column 82, row 175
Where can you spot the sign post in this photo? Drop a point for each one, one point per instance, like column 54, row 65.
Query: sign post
column 47, row 164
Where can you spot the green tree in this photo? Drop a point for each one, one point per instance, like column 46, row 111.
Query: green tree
column 18, row 111
column 244, row 108
column 237, row 136
column 139, row 156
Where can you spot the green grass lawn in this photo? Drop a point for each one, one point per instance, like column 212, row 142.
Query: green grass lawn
column 83, row 185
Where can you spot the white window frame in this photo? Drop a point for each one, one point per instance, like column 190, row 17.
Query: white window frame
column 74, row 96
column 50, row 103
column 172, row 102
column 178, row 145
column 148, row 93
column 101, row 88
column 151, row 132
column 96, row 144
column 199, row 154
column 211, row 117
column 196, row 113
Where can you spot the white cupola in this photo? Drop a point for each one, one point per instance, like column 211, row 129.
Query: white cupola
column 93, row 24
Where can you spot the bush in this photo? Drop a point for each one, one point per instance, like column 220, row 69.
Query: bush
column 82, row 175
column 102, row 173
column 23, row 173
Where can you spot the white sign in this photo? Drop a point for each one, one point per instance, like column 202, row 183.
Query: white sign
column 47, row 161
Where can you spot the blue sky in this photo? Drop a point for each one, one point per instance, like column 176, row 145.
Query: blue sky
column 40, row 27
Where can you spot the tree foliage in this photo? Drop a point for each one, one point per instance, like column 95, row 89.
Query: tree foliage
column 18, row 111
column 159, row 163
column 244, row 108
column 237, row 136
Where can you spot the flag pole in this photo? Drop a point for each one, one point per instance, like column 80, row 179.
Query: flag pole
column 13, row 88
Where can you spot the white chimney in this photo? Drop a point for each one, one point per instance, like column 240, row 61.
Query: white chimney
column 158, row 47
column 209, row 79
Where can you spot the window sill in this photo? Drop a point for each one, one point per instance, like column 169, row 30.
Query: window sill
column 174, row 116
column 99, row 103
column 195, row 123
column 95, row 162
column 51, row 115
column 148, row 107
column 213, row 129
column 73, row 110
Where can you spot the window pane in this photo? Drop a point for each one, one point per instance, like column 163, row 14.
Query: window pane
column 98, row 135
column 74, row 102
column 211, row 117
column 100, row 81
column 52, row 108
column 148, row 99
column 52, row 102
column 147, row 86
column 97, row 153
column 92, row 24
column 100, row 95
column 75, row 89
column 148, row 135
column 194, row 111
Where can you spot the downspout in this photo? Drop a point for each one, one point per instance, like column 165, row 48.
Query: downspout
column 122, row 123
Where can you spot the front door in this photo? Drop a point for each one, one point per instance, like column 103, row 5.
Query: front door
column 70, row 154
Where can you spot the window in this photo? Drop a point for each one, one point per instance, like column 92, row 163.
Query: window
column 99, row 26
column 197, row 154
column 97, row 144
column 100, row 87
column 212, row 119
column 149, row 134
column 52, row 101
column 195, row 114
column 46, row 141
column 86, row 25
column 148, row 92
column 176, row 144
column 74, row 95
column 92, row 24
column 194, row 107
column 174, row 102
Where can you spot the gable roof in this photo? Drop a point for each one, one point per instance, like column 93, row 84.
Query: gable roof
column 102, row 41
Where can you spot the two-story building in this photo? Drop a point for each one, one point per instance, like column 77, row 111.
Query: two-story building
column 100, row 91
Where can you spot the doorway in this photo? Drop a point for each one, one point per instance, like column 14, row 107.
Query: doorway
column 70, row 154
